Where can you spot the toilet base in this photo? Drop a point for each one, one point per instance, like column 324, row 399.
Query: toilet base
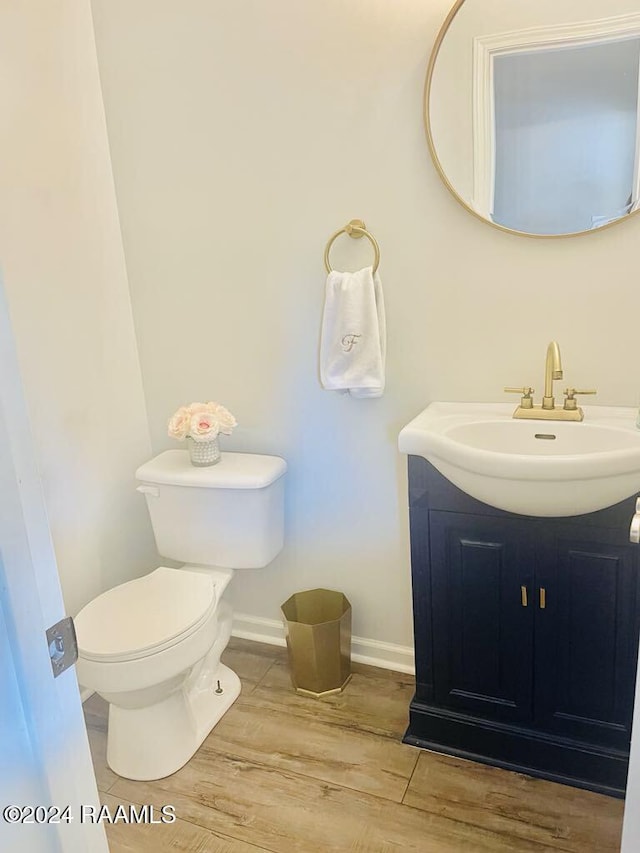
column 154, row 742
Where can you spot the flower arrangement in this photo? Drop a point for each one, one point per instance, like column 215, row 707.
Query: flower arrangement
column 201, row 422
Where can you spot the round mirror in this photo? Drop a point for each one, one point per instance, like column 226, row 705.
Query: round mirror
column 532, row 112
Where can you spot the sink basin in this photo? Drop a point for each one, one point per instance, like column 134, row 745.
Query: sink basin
column 541, row 468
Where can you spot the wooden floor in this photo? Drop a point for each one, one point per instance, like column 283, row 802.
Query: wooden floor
column 291, row 774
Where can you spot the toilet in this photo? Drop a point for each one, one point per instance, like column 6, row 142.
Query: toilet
column 151, row 647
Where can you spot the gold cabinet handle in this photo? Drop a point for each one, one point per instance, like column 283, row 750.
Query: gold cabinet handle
column 523, row 596
column 543, row 598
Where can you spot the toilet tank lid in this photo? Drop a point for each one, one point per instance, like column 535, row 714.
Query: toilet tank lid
column 233, row 471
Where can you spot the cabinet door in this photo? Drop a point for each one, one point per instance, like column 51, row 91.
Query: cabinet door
column 586, row 634
column 482, row 615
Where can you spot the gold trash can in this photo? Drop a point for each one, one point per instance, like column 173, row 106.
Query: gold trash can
column 318, row 623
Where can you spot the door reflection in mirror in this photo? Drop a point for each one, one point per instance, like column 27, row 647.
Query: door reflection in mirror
column 531, row 112
column 566, row 136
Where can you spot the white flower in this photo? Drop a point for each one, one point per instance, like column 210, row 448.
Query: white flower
column 226, row 421
column 201, row 421
column 195, row 408
column 203, row 426
column 179, row 423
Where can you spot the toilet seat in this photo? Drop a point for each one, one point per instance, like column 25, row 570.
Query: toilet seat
column 146, row 615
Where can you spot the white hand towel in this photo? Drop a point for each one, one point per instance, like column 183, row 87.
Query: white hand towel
column 353, row 343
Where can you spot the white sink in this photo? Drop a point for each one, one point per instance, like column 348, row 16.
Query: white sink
column 543, row 468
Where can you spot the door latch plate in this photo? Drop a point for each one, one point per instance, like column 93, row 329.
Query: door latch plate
column 63, row 645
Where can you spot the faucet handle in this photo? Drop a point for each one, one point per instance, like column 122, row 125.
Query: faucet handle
column 570, row 404
column 527, row 401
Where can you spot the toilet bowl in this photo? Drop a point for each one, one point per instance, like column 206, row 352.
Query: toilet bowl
column 151, row 647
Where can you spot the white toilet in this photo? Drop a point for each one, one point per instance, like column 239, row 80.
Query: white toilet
column 151, row 647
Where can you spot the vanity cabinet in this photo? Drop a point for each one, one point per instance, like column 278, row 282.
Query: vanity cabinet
column 526, row 633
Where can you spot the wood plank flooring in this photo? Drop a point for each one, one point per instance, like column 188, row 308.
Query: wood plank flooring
column 289, row 774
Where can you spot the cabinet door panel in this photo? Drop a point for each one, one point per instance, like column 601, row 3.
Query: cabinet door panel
column 587, row 637
column 482, row 630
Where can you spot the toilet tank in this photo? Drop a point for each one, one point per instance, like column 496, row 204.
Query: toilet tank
column 230, row 514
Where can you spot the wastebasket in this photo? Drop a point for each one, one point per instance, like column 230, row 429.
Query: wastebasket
column 318, row 623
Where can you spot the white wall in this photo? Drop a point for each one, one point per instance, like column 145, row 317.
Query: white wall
column 631, row 829
column 61, row 252
column 242, row 135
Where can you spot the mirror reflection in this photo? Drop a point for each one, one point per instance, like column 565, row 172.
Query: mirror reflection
column 532, row 112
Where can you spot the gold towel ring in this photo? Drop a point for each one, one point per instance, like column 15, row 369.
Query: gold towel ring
column 356, row 229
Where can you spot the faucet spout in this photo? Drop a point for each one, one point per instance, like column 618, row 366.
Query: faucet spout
column 552, row 370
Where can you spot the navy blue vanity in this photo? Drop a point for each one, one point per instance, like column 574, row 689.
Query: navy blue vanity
column 526, row 635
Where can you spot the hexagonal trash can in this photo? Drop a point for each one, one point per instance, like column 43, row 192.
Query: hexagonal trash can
column 318, row 623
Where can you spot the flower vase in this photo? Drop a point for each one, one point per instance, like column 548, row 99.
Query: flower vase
column 204, row 453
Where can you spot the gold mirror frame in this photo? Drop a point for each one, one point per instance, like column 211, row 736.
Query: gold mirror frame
column 436, row 160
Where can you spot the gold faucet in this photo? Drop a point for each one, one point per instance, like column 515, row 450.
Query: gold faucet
column 547, row 411
column 552, row 370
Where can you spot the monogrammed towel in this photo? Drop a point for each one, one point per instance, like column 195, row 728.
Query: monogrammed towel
column 353, row 342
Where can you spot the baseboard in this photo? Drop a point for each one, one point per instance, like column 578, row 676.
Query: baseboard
column 370, row 652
